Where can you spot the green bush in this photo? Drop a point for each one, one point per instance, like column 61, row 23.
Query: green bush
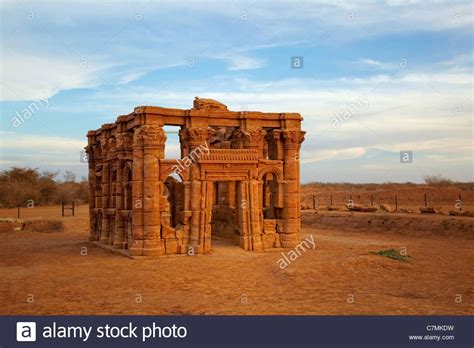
column 392, row 254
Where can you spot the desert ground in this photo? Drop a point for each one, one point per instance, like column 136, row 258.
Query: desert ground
column 443, row 198
column 62, row 273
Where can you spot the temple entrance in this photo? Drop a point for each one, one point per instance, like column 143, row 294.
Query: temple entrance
column 225, row 226
column 225, row 218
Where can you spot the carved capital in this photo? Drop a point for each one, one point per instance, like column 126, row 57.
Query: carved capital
column 103, row 146
column 112, row 143
column 198, row 135
column 149, row 135
column 255, row 136
column 250, row 138
column 96, row 151
column 124, row 140
column 293, row 138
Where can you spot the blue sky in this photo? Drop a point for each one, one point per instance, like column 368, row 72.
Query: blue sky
column 399, row 71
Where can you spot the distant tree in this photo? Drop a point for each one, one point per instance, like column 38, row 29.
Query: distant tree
column 17, row 185
column 69, row 176
column 47, row 187
column 20, row 185
column 437, row 180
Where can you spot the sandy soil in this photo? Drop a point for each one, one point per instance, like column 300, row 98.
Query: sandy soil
column 340, row 276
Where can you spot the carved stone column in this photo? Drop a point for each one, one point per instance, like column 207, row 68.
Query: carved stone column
column 119, row 236
column 91, row 175
column 289, row 225
column 105, row 235
column 243, row 212
column 148, row 149
column 255, row 209
column 122, row 142
column 274, row 143
column 198, row 137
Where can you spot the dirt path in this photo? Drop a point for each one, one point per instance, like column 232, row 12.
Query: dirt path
column 339, row 276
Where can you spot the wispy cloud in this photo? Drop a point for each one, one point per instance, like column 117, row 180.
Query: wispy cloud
column 29, row 77
column 375, row 64
column 334, row 154
column 245, row 63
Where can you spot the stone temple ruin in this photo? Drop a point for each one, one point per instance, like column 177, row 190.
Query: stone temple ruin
column 238, row 176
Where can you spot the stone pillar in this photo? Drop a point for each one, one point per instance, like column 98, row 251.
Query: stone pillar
column 105, row 236
column 198, row 137
column 195, row 215
column 289, row 224
column 148, row 149
column 207, row 209
column 91, row 175
column 243, row 212
column 275, row 149
column 255, row 209
column 119, row 236
column 138, row 233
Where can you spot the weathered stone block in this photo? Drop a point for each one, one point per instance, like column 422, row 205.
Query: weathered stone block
column 171, row 246
column 289, row 240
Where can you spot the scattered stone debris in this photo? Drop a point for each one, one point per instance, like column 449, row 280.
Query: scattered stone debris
column 427, row 210
column 461, row 213
column 331, row 207
column 385, row 207
column 357, row 207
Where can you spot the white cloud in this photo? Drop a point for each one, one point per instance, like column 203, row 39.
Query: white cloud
column 336, row 154
column 12, row 142
column 245, row 63
column 30, row 77
column 375, row 64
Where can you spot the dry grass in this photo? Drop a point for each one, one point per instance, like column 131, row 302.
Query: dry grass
column 42, row 225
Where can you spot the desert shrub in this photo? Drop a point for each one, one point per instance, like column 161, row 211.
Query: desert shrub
column 437, row 180
column 464, row 186
column 392, row 254
column 43, row 225
column 25, row 185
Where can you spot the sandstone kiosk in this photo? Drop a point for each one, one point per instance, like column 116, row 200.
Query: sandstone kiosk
column 238, row 176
